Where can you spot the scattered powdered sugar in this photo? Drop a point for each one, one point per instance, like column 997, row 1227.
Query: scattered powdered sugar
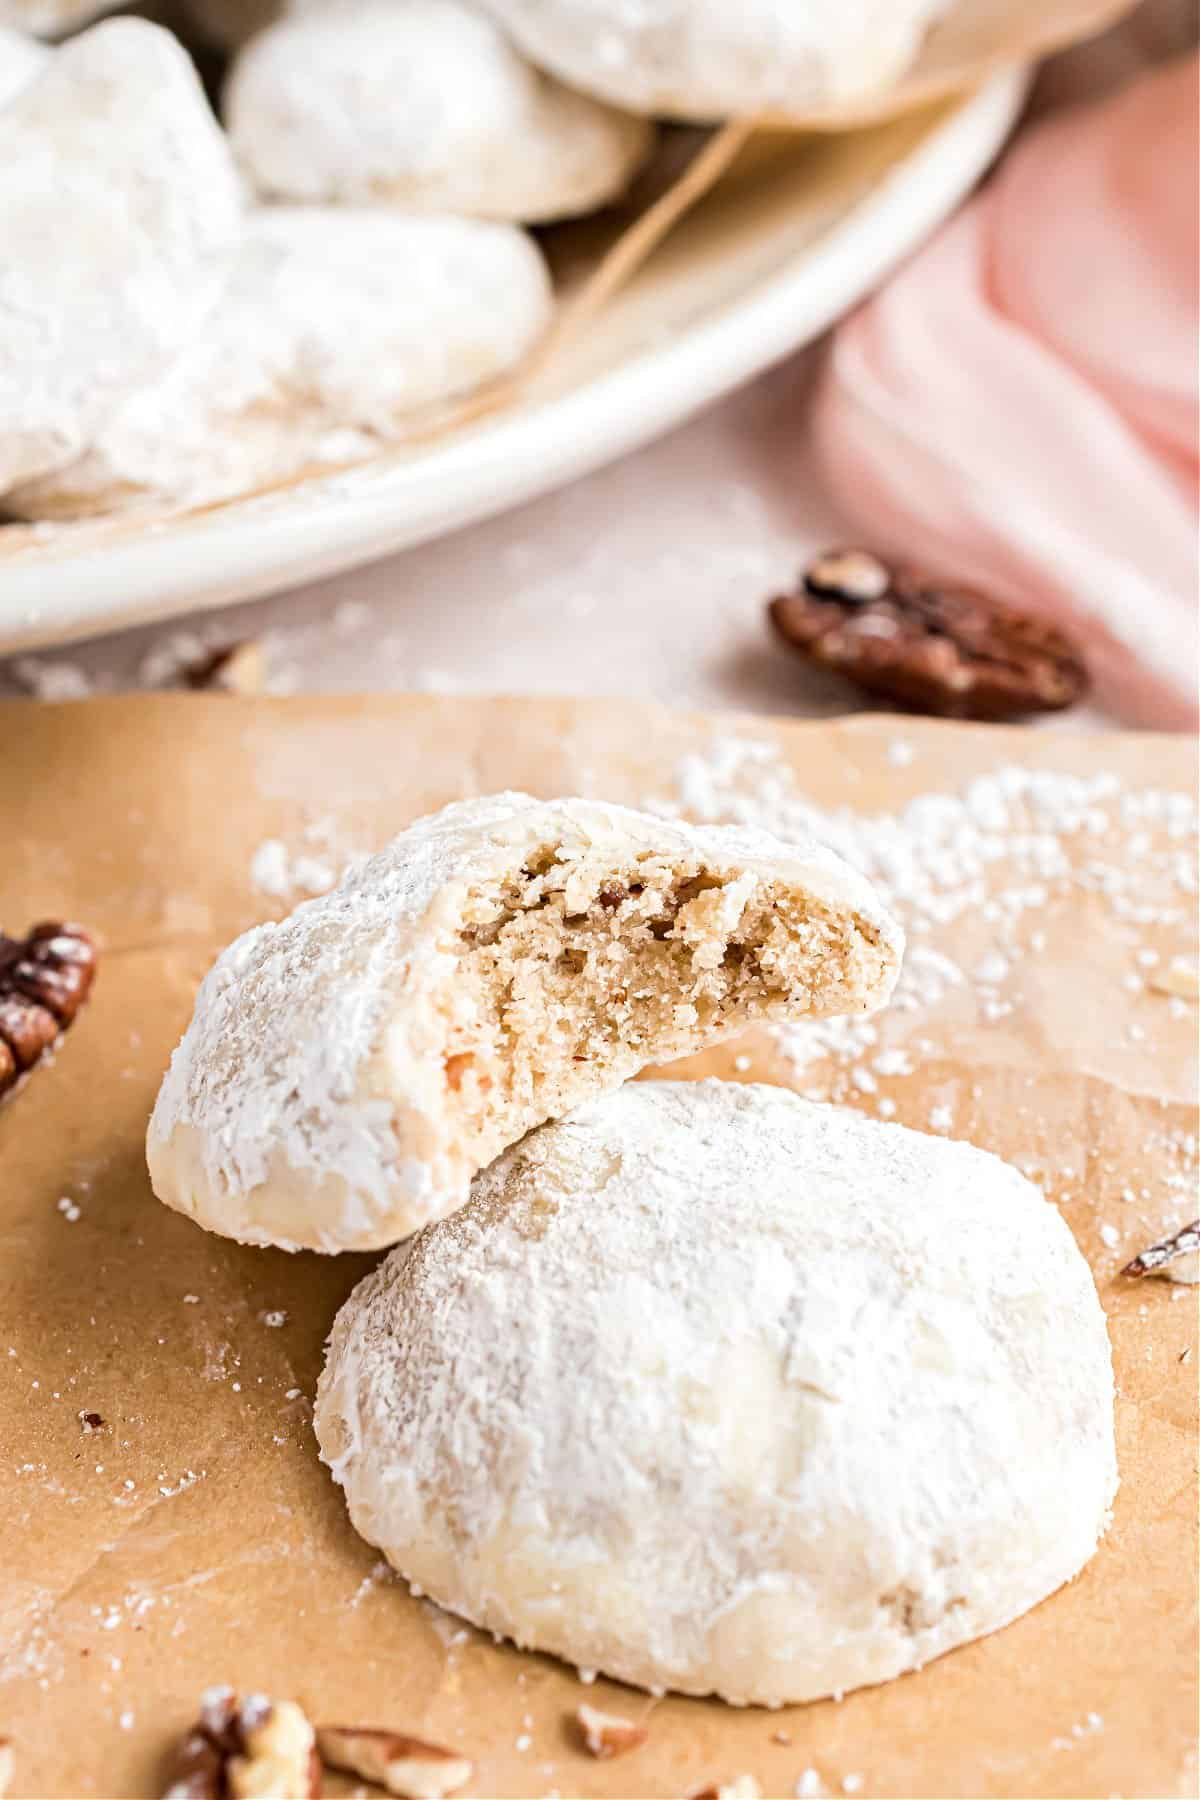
column 993, row 857
column 313, row 866
column 47, row 678
column 1090, row 1724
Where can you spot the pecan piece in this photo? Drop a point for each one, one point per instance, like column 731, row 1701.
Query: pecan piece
column 1176, row 1257
column 930, row 646
column 253, row 1749
column 7, row 1764
column 197, row 1770
column 237, row 668
column 45, row 978
column 403, row 1765
column 608, row 1734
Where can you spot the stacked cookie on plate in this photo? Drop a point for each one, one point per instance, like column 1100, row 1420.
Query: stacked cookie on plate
column 699, row 1384
column 190, row 312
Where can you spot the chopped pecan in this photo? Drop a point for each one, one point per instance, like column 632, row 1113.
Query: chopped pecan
column 608, row 1734
column 1176, row 1257
column 231, row 669
column 403, row 1765
column 932, row 646
column 253, row 1749
column 197, row 1770
column 7, row 1765
column 45, row 978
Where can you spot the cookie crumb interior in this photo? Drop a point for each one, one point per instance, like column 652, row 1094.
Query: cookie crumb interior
column 570, row 974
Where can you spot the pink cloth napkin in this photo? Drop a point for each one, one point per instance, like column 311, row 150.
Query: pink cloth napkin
column 1018, row 406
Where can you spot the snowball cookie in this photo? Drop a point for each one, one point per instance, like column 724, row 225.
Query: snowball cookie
column 715, row 1389
column 117, row 193
column 708, row 59
column 21, row 58
column 336, row 326
column 421, row 103
column 348, row 1071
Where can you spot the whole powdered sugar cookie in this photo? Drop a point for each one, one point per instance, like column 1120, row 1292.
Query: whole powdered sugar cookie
column 713, row 59
column 421, row 103
column 336, row 325
column 117, row 192
column 349, row 1070
column 714, row 1389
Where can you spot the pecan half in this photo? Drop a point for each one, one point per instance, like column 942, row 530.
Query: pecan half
column 403, row 1765
column 45, row 977
column 238, row 668
column 251, row 1749
column 608, row 1734
column 932, row 646
column 1177, row 1257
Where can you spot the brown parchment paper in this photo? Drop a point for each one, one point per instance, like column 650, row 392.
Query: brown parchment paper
column 194, row 1537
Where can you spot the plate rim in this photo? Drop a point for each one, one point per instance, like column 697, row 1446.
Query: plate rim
column 251, row 551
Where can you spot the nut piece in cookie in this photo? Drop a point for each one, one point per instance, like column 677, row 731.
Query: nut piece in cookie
column 930, row 646
column 348, row 1070
column 403, row 1765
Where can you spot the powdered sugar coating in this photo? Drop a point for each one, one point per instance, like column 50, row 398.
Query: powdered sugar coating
column 336, row 325
column 716, row 1389
column 118, row 193
column 426, row 105
column 307, row 1104
column 708, row 59
column 21, row 58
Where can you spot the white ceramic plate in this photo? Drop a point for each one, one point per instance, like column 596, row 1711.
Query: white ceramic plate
column 762, row 266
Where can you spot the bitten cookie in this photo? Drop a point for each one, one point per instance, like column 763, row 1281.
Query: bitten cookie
column 349, row 1070
column 421, row 104
column 336, row 326
column 714, row 1389
column 118, row 195
column 710, row 59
